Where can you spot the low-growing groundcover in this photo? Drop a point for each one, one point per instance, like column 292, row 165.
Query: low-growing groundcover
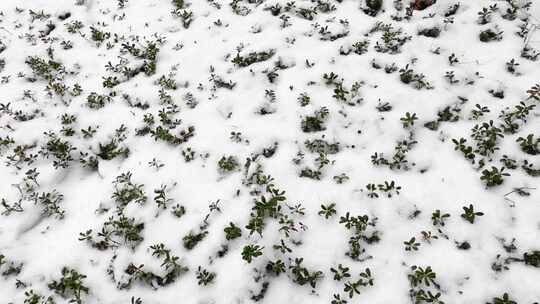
column 242, row 151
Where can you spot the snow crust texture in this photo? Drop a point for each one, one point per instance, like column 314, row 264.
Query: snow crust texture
column 243, row 151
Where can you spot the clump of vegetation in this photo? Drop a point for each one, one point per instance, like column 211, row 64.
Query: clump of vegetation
column 228, row 164
column 373, row 7
column 315, row 122
column 192, row 239
column 71, row 285
column 432, row 32
column 408, row 76
column 392, row 39
column 250, row 252
column 424, row 287
column 529, row 145
column 178, row 77
column 59, row 149
column 171, row 265
column 470, row 215
column 399, row 159
column 253, row 57
column 493, row 177
column 328, row 210
column 232, row 232
column 363, row 233
column 490, row 35
column 125, row 191
column 205, row 277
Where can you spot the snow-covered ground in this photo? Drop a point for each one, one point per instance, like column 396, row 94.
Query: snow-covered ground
column 240, row 151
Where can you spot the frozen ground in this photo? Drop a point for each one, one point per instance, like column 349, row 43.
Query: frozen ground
column 240, row 151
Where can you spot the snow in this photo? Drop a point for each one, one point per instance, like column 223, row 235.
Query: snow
column 437, row 176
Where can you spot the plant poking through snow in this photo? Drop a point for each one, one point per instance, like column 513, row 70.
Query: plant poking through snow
column 423, row 286
column 353, row 287
column 70, row 285
column 250, row 252
column 469, row 215
column 232, row 231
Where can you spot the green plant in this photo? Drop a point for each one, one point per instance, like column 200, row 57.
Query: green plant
column 250, row 252
column 328, row 210
column 60, row 150
column 71, row 285
column 373, row 7
column 341, row 272
column 204, row 276
column 125, row 191
column 408, row 76
column 511, row 66
column 88, row 132
column 192, row 239
column 275, row 267
column 389, row 188
column 432, row 32
column 112, row 150
column 8, row 209
column 359, row 225
column 493, row 177
column 469, row 215
column 115, row 231
column 490, row 35
column 74, row 26
column 424, row 288
column 534, row 92
column 353, row 287
column 411, row 245
column 504, row 299
column 391, row 40
column 330, row 79
column 232, row 231
column 467, row 151
column 452, row 59
column 359, row 48
column 228, row 164
column 341, row 178
column 383, row 107
column 185, row 15
column 315, row 122
column 99, row 36
column 530, row 169
column 173, row 268
column 304, row 99
column 439, row 218
column 484, row 16
column 138, row 273
column 178, row 4
column 301, row 275
column 10, row 268
column 147, row 53
column 529, row 145
column 50, row 201
column 253, row 57
column 97, row 101
column 178, row 210
column 338, row 300
column 510, row 119
column 408, row 120
column 31, row 297
column 479, row 111
column 161, row 199
column 486, row 137
column 532, row 258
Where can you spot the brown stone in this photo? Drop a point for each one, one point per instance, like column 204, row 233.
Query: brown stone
column 422, row 4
